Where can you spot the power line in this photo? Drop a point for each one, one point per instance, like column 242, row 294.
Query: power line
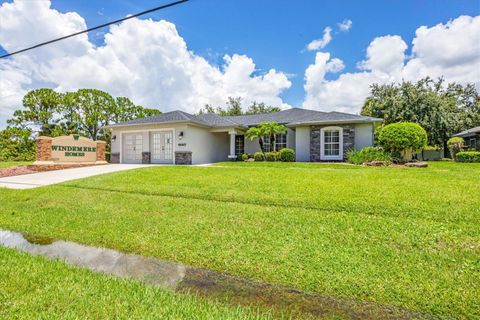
column 97, row 27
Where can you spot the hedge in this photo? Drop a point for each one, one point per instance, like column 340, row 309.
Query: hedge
column 468, row 156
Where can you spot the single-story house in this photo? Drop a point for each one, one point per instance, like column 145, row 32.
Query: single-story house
column 471, row 137
column 178, row 137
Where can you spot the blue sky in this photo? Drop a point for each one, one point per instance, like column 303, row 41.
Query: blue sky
column 273, row 34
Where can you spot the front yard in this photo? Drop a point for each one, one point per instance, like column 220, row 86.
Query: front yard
column 399, row 236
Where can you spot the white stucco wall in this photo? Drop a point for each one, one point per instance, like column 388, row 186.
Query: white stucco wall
column 206, row 146
column 363, row 135
column 251, row 146
column 302, row 144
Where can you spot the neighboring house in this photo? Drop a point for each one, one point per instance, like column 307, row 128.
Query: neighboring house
column 182, row 138
column 471, row 137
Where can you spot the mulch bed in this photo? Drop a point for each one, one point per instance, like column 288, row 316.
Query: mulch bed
column 27, row 169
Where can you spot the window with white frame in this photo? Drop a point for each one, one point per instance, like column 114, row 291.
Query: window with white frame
column 239, row 145
column 266, row 144
column 280, row 141
column 331, row 143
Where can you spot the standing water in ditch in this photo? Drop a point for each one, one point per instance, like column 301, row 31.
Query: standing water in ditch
column 210, row 284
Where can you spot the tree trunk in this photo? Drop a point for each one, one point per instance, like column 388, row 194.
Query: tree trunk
column 446, row 152
column 260, row 141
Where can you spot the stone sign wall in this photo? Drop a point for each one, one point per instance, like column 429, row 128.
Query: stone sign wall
column 71, row 149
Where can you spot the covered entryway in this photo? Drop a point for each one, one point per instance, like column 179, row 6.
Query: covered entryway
column 132, row 148
column 161, row 147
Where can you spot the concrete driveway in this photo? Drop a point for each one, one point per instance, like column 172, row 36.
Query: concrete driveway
column 40, row 179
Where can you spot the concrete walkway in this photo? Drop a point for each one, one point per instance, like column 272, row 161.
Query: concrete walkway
column 34, row 180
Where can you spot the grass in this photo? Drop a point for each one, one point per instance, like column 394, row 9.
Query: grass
column 6, row 164
column 402, row 236
column 36, row 288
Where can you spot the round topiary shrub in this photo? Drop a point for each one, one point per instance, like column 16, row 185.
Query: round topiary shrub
column 455, row 145
column 258, row 156
column 403, row 138
column 271, row 156
column 244, row 157
column 286, row 155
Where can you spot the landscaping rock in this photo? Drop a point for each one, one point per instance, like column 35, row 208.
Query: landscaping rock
column 377, row 163
column 416, row 164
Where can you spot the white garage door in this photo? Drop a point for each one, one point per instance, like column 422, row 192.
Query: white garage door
column 132, row 148
column 162, row 147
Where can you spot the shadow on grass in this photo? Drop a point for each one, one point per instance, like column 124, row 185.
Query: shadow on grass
column 281, row 300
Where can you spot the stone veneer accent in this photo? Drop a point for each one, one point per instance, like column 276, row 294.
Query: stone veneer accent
column 146, row 157
column 43, row 150
column 115, row 157
column 348, row 140
column 183, row 157
column 101, row 147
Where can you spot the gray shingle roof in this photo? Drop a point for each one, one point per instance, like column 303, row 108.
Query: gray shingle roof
column 294, row 116
column 469, row 132
column 172, row 116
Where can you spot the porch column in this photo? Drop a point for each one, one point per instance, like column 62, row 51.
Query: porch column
column 232, row 145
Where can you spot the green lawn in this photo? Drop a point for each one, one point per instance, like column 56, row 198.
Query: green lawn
column 36, row 288
column 6, row 164
column 402, row 236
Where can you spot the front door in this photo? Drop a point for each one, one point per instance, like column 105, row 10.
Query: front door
column 162, row 147
column 132, row 148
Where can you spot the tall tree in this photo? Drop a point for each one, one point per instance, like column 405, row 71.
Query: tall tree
column 95, row 107
column 234, row 108
column 441, row 109
column 41, row 108
column 261, row 107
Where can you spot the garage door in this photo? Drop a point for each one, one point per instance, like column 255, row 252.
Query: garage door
column 162, row 147
column 132, row 148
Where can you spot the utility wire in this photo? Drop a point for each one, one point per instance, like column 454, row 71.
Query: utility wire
column 97, row 27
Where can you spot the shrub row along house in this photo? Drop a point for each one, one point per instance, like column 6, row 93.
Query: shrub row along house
column 182, row 138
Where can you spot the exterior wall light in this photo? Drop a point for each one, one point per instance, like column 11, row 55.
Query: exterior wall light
column 114, row 137
column 180, row 135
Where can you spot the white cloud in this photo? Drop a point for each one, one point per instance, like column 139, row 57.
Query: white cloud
column 321, row 43
column 145, row 60
column 345, row 25
column 448, row 50
column 385, row 54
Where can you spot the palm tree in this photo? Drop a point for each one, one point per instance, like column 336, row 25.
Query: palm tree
column 271, row 129
column 265, row 129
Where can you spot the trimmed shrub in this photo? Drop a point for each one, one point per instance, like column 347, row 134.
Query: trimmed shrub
column 403, row 138
column 368, row 154
column 455, row 145
column 271, row 156
column 244, row 157
column 468, row 156
column 258, row 156
column 286, row 155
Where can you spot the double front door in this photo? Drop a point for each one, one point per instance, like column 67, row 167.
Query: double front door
column 161, row 147
column 133, row 145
